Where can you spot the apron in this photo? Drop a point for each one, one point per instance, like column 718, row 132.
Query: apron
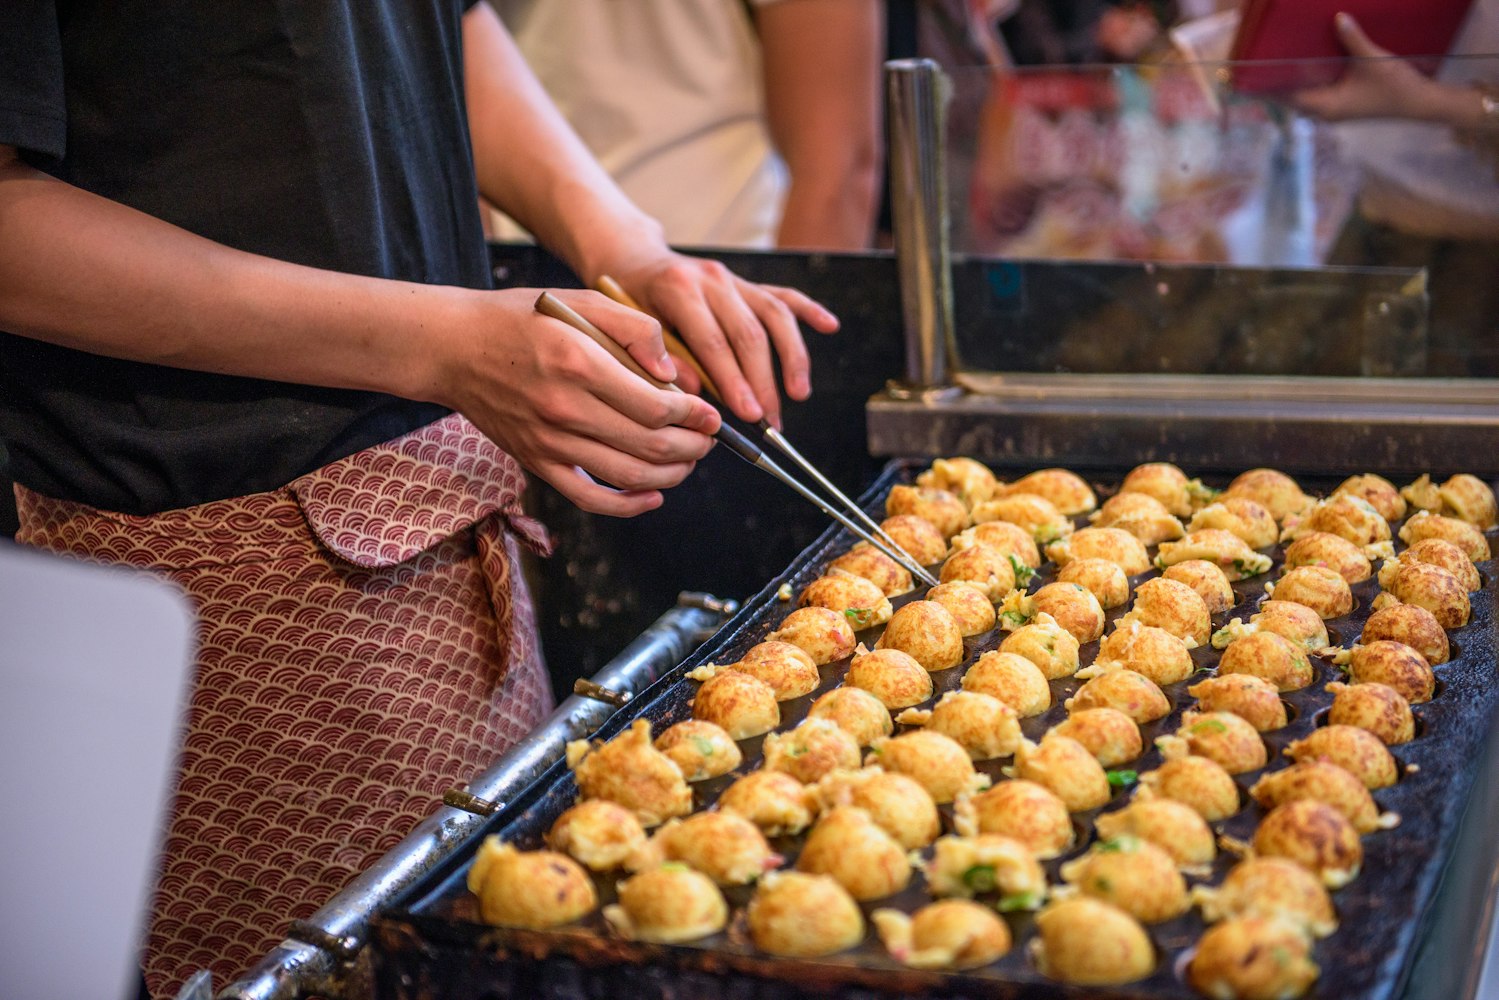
column 365, row 641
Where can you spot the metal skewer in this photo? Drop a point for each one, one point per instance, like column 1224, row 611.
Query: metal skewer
column 681, row 352
column 549, row 305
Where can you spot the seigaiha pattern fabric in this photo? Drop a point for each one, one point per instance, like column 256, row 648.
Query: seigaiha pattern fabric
column 365, row 641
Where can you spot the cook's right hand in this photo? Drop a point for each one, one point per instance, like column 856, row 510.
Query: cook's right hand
column 566, row 409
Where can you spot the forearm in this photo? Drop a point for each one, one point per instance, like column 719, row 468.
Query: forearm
column 84, row 272
column 1445, row 104
column 530, row 163
column 822, row 75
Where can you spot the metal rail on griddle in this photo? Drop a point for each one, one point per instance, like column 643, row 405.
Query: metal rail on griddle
column 316, row 954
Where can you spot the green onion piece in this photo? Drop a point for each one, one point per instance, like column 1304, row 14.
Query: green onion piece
column 1122, row 779
column 980, row 878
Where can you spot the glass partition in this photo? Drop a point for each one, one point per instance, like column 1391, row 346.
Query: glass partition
column 1209, row 226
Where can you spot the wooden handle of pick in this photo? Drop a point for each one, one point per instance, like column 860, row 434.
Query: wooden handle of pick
column 549, row 305
column 674, row 345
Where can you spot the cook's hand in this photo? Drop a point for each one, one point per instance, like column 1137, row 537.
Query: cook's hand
column 1375, row 85
column 731, row 324
column 566, row 409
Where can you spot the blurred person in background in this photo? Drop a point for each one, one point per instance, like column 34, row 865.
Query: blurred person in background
column 1428, row 149
column 745, row 124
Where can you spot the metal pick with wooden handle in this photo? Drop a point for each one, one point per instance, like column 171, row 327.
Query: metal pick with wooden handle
column 681, row 352
column 549, row 305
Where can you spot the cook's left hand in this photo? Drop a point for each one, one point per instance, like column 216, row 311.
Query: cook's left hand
column 731, row 326
column 1375, row 84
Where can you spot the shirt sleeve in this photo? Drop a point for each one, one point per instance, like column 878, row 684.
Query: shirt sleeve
column 33, row 111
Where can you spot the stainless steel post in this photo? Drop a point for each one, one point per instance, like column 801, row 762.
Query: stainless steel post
column 916, row 93
column 316, row 954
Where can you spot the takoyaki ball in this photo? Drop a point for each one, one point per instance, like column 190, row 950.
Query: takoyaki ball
column 1163, row 481
column 1270, row 887
column 850, row 847
column 1142, row 515
column 1314, row 835
column 1067, row 768
column 1270, row 657
column 1426, row 586
column 1011, row 539
column 896, row 802
column 811, row 750
column 1223, row 549
column 1296, row 622
column 1210, row 583
column 1346, row 516
column 927, row 632
column 1035, row 514
column 1172, row 606
column 1355, row 750
column 1469, row 498
column 1073, row 606
column 1320, row 781
column 1423, row 494
column 1252, row 958
column 700, row 748
column 983, row 566
column 1021, row 810
column 630, row 771
column 1271, row 489
column 821, row 633
column 1113, row 545
column 1412, row 625
column 947, row 934
column 873, row 565
column 1396, row 665
column 1053, row 649
column 1317, row 587
column 1378, row 491
column 988, row 862
column 1450, row 529
column 1104, row 579
column 598, row 833
column 772, row 800
column 1240, row 516
column 1146, row 650
column 918, row 536
column 803, row 916
column 981, row 724
column 1136, row 695
column 860, row 602
column 789, row 670
column 856, row 711
column 1107, row 733
column 1066, row 490
column 1251, row 698
column 1219, row 736
column 743, row 706
column 944, row 510
column 1084, row 941
column 1012, row 679
column 1132, row 874
column 966, row 478
column 937, row 763
column 722, row 845
column 1175, row 828
column 895, row 678
column 969, row 606
column 1437, row 552
column 1378, row 708
column 1318, row 548
column 1197, row 783
column 529, row 889
column 667, row 905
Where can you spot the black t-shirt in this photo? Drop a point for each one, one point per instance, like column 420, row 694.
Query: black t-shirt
column 331, row 133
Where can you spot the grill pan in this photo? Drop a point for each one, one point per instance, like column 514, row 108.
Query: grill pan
column 431, row 944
